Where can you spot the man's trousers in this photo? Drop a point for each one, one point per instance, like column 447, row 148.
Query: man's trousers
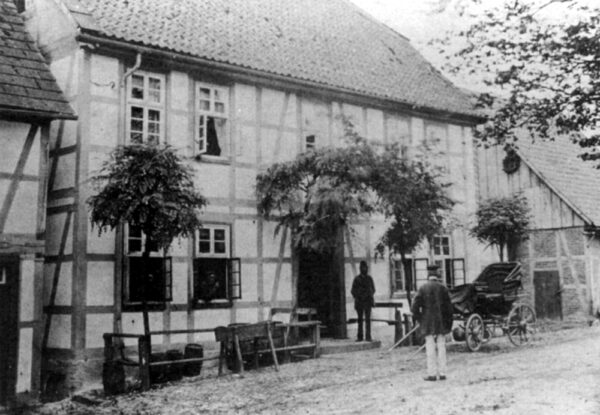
column 435, row 346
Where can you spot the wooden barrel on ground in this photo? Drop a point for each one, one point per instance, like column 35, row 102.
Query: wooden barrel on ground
column 191, row 351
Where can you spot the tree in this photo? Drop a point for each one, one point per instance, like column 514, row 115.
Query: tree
column 502, row 222
column 327, row 188
column 413, row 197
column 149, row 187
column 540, row 60
column 318, row 192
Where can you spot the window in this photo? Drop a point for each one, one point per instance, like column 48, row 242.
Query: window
column 415, row 272
column 212, row 108
column 452, row 270
column 310, row 142
column 155, row 285
column 217, row 276
column 145, row 108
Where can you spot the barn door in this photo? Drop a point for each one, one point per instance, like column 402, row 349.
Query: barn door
column 9, row 290
column 547, row 294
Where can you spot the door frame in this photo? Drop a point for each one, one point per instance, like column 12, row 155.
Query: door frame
column 537, row 295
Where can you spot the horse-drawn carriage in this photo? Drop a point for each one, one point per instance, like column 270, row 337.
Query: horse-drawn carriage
column 490, row 303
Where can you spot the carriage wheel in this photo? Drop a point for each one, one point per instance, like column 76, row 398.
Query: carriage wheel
column 521, row 324
column 474, row 332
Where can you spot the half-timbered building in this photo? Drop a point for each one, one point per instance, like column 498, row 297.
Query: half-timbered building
column 235, row 85
column 561, row 257
column 29, row 100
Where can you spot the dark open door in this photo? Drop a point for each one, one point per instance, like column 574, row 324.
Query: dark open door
column 9, row 294
column 548, row 303
column 320, row 286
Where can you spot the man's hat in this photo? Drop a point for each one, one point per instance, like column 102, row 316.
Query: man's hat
column 433, row 271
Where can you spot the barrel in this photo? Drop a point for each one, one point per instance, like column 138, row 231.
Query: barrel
column 191, row 351
column 158, row 373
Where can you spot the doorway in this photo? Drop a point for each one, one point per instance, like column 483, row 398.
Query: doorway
column 9, row 294
column 321, row 286
column 548, row 299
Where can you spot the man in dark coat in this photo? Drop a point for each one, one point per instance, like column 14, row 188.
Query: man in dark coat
column 363, row 290
column 432, row 308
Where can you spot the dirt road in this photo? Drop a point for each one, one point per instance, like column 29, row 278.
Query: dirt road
column 558, row 374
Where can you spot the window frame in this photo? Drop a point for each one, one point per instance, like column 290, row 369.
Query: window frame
column 146, row 105
column 201, row 145
column 166, row 274
column 233, row 269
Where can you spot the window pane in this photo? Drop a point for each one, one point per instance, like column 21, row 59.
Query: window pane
column 205, row 94
column 153, row 139
column 437, row 250
column 204, row 234
column 137, row 87
column 446, row 250
column 154, row 89
column 219, row 107
column 204, row 105
column 137, row 112
column 137, row 125
column 214, row 131
column 210, row 279
column 220, row 248
column 204, row 247
column 154, row 115
column 219, row 234
column 153, row 128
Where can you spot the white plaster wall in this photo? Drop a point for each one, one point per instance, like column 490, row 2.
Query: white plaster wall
column 104, row 76
column 54, row 230
column 375, row 125
column 12, row 136
column 209, row 319
column 27, row 290
column 180, row 282
column 105, row 123
column 180, row 86
column 272, row 242
column 179, row 135
column 245, row 102
column 22, row 216
column 101, row 243
column 270, row 151
column 65, row 172
column 133, row 323
column 95, row 326
column 284, row 291
column 249, row 282
column 212, row 179
column 354, row 114
column 178, row 322
column 60, row 332
column 244, row 238
column 63, row 291
column 24, row 372
column 100, row 283
column 245, row 182
column 272, row 106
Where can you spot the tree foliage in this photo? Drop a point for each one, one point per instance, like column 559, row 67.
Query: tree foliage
column 326, row 188
column 147, row 187
column 541, row 62
column 502, row 222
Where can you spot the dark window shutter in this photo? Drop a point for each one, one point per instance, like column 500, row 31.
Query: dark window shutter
column 235, row 278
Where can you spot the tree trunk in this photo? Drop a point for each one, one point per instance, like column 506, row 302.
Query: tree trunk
column 406, row 281
column 145, row 270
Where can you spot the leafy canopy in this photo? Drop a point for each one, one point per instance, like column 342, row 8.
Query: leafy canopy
column 502, row 222
column 148, row 187
column 540, row 60
column 326, row 188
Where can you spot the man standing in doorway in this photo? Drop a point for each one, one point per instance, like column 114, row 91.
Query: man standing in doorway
column 432, row 308
column 363, row 290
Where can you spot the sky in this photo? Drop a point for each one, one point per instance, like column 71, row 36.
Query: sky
column 415, row 20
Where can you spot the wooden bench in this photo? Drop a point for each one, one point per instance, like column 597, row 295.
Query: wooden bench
column 235, row 335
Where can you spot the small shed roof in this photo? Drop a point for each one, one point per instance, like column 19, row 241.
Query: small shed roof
column 332, row 43
column 558, row 163
column 27, row 87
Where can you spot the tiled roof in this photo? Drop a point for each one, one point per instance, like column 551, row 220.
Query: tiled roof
column 330, row 42
column 557, row 162
column 26, row 84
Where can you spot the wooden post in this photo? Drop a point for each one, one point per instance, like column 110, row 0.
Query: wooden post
column 108, row 347
column 221, row 357
column 397, row 326
column 408, row 328
column 272, row 346
column 144, row 358
column 317, row 340
column 238, row 352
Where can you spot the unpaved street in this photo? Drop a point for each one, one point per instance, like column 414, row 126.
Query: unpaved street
column 558, row 374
